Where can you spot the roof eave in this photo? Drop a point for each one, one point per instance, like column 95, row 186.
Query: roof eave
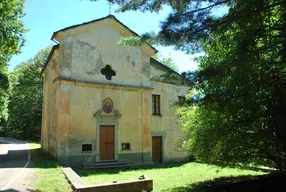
column 164, row 66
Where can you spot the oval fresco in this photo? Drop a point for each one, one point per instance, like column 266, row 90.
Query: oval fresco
column 107, row 105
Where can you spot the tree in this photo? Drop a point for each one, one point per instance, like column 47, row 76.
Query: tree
column 167, row 61
column 11, row 29
column 236, row 113
column 11, row 40
column 25, row 105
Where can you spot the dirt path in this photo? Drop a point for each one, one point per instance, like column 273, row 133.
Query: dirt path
column 16, row 172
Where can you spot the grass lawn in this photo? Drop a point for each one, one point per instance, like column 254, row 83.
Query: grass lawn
column 167, row 178
column 49, row 175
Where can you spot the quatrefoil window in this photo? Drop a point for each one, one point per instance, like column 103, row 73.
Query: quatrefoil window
column 107, row 72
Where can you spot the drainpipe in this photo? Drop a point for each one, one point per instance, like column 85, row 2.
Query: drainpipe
column 55, row 41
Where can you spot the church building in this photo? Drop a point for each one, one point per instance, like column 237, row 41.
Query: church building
column 101, row 102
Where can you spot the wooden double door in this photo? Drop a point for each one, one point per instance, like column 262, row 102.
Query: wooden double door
column 107, row 142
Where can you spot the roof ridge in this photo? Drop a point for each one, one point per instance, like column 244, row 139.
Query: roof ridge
column 95, row 20
column 84, row 23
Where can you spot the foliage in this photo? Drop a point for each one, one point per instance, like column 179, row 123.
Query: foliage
column 50, row 176
column 11, row 40
column 238, row 116
column 167, row 177
column 25, row 106
column 11, row 29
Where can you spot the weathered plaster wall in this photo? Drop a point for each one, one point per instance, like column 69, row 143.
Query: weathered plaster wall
column 84, row 55
column 78, row 125
column 49, row 116
column 167, row 125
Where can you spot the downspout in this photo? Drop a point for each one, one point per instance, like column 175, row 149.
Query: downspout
column 55, row 41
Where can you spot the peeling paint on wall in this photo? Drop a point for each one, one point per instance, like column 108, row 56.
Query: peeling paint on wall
column 67, row 48
column 90, row 57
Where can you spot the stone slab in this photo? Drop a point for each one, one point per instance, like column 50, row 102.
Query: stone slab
column 123, row 186
column 75, row 180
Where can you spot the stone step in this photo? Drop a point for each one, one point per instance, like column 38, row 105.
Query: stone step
column 104, row 162
column 107, row 165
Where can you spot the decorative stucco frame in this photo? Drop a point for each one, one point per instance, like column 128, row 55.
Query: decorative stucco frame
column 162, row 134
column 112, row 120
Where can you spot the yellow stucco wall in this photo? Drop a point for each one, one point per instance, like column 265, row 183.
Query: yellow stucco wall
column 49, row 116
column 85, row 101
column 168, row 124
column 134, row 106
column 82, row 57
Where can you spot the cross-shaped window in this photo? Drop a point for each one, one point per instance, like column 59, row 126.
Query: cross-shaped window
column 107, row 72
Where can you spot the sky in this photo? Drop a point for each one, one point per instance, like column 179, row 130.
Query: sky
column 43, row 17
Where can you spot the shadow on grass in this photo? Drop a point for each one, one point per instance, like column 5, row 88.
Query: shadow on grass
column 248, row 183
column 49, row 173
column 87, row 172
column 41, row 159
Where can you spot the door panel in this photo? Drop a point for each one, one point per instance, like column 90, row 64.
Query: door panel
column 106, row 142
column 157, row 149
column 110, row 143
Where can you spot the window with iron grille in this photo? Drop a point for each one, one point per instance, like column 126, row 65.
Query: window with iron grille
column 156, row 105
column 86, row 147
column 126, row 146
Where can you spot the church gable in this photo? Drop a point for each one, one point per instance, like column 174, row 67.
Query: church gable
column 110, row 20
column 95, row 57
column 89, row 52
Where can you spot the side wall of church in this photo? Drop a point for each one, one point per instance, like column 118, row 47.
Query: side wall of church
column 49, row 110
column 167, row 125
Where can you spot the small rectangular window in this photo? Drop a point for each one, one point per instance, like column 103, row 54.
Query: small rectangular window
column 126, row 146
column 86, row 147
column 182, row 99
column 156, row 105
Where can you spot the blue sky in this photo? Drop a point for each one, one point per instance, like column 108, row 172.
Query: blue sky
column 43, row 17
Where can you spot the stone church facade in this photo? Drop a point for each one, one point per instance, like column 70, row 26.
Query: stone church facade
column 100, row 102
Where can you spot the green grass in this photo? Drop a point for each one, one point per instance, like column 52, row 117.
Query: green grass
column 168, row 178
column 49, row 175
